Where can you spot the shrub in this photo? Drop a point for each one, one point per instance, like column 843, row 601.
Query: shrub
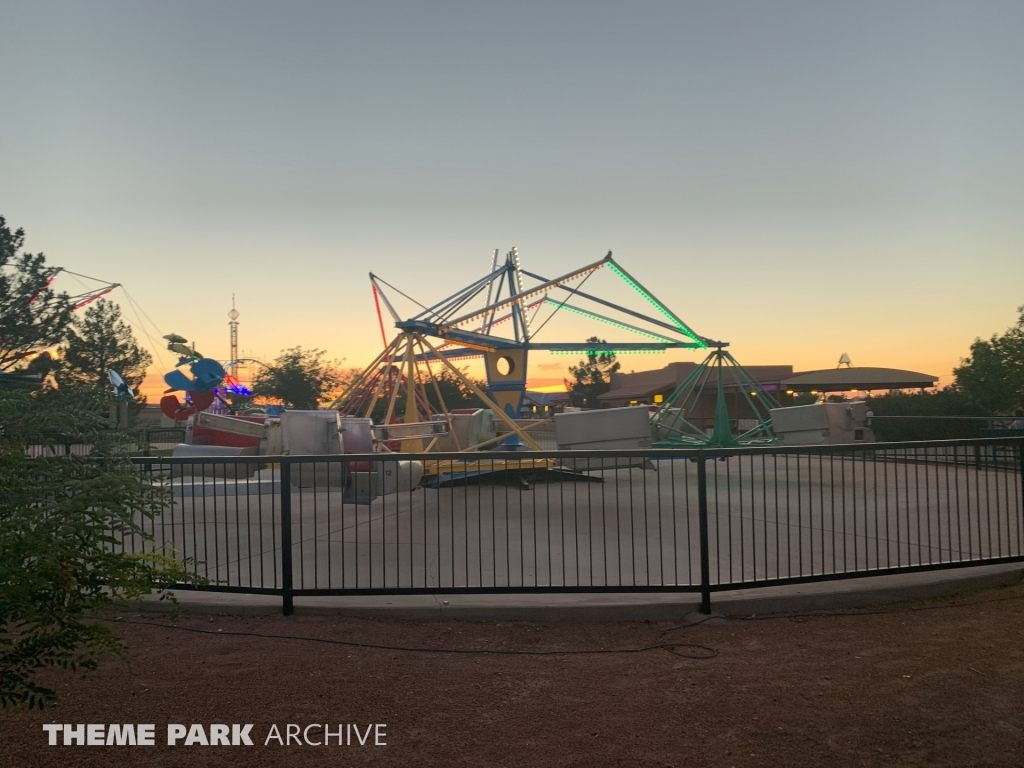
column 62, row 521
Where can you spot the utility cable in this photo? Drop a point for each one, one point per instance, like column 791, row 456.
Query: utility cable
column 702, row 651
column 677, row 649
column 158, row 348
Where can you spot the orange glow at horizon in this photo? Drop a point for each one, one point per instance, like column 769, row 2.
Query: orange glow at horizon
column 535, row 385
column 153, row 386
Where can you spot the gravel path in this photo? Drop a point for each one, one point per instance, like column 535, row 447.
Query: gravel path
column 936, row 683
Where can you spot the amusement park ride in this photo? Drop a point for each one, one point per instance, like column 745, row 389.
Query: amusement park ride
column 465, row 325
column 77, row 301
column 208, row 378
column 88, row 296
column 498, row 317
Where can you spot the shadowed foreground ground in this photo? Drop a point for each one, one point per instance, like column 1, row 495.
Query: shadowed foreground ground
column 928, row 683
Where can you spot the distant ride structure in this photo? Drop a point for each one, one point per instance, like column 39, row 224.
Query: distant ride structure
column 673, row 428
column 472, row 322
column 32, row 380
column 207, row 375
column 499, row 317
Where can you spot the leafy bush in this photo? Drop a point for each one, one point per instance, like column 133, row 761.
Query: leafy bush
column 591, row 377
column 32, row 316
column 299, row 378
column 945, row 402
column 992, row 377
column 62, row 521
column 99, row 341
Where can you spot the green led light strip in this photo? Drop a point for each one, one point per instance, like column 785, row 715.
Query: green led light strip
column 606, row 351
column 655, row 303
column 592, row 316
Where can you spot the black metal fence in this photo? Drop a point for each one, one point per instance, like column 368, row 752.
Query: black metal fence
column 629, row 521
column 893, row 429
column 162, row 437
column 143, row 440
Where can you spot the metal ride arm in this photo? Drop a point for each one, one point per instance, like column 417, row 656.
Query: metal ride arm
column 381, row 381
column 654, row 301
column 82, row 299
column 479, row 340
column 486, row 325
column 394, row 392
column 380, row 292
column 504, row 435
column 413, row 431
column 523, row 296
column 701, row 342
column 465, row 333
column 610, row 346
column 458, row 299
column 440, row 400
column 611, row 321
column 361, row 378
column 483, row 396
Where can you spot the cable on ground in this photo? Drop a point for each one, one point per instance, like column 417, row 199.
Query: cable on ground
column 677, row 649
column 697, row 651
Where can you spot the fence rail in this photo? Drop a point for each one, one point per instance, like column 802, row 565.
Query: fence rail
column 152, row 439
column 917, row 428
column 588, row 521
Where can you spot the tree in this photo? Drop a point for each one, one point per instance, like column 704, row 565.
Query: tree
column 992, row 377
column 62, row 521
column 32, row 316
column 948, row 401
column 299, row 378
column 98, row 342
column 592, row 377
column 454, row 393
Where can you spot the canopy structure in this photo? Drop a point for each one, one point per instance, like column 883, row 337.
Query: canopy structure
column 847, row 379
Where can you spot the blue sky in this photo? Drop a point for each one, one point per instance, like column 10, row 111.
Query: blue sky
column 801, row 179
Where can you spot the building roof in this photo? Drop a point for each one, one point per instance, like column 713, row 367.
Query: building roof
column 636, row 391
column 646, row 384
column 845, row 379
column 543, row 398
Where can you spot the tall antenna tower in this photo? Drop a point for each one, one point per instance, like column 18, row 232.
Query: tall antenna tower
column 233, row 325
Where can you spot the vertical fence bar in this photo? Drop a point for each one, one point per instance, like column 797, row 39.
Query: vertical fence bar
column 705, row 554
column 287, row 605
column 1020, row 517
column 200, row 519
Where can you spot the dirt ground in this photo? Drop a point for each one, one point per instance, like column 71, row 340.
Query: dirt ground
column 937, row 683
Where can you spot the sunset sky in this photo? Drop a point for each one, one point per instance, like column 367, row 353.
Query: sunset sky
column 801, row 179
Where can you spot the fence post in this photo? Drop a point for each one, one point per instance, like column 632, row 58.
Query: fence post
column 705, row 549
column 288, row 607
column 1020, row 468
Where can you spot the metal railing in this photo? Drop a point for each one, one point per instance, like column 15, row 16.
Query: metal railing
column 917, row 428
column 144, row 439
column 162, row 436
column 588, row 521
